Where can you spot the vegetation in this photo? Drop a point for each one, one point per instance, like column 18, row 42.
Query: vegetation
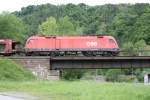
column 72, row 74
column 49, row 27
column 79, row 90
column 113, row 75
column 12, row 27
column 62, row 27
column 10, row 71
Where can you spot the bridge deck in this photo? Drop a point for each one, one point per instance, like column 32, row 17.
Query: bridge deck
column 78, row 57
column 101, row 58
column 100, row 62
column 92, row 62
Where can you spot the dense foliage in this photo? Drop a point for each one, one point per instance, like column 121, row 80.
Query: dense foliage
column 12, row 27
column 62, row 27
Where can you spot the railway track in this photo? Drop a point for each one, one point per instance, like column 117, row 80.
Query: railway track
column 78, row 57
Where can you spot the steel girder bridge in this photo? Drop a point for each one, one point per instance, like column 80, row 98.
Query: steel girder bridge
column 83, row 62
column 99, row 62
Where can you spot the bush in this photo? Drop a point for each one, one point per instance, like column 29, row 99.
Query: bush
column 113, row 75
column 71, row 74
column 127, row 78
column 10, row 71
column 139, row 74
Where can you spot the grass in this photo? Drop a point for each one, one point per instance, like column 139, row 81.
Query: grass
column 80, row 90
column 9, row 70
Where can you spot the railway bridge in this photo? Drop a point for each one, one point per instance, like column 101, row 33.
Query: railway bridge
column 100, row 62
column 45, row 66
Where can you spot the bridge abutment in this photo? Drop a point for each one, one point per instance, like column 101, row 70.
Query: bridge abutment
column 39, row 66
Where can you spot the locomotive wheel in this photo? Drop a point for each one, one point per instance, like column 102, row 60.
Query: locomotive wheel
column 85, row 53
column 53, row 54
column 115, row 54
column 106, row 54
column 28, row 54
column 88, row 53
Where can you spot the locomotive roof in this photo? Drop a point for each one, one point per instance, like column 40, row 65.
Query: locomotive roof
column 37, row 37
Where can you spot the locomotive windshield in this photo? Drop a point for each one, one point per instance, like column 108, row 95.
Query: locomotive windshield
column 111, row 41
column 29, row 41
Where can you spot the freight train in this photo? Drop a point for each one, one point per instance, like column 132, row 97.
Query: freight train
column 64, row 45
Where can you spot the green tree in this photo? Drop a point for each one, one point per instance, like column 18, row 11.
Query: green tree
column 123, row 27
column 49, row 27
column 12, row 27
column 128, row 48
column 139, row 47
column 113, row 75
column 136, row 48
column 65, row 27
column 142, row 27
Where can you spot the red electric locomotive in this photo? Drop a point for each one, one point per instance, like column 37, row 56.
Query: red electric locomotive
column 72, row 45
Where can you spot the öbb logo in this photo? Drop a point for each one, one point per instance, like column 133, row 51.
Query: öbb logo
column 91, row 44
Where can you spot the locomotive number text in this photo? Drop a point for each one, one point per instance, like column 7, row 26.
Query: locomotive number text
column 91, row 44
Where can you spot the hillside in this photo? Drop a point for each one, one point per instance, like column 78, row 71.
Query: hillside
column 10, row 71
